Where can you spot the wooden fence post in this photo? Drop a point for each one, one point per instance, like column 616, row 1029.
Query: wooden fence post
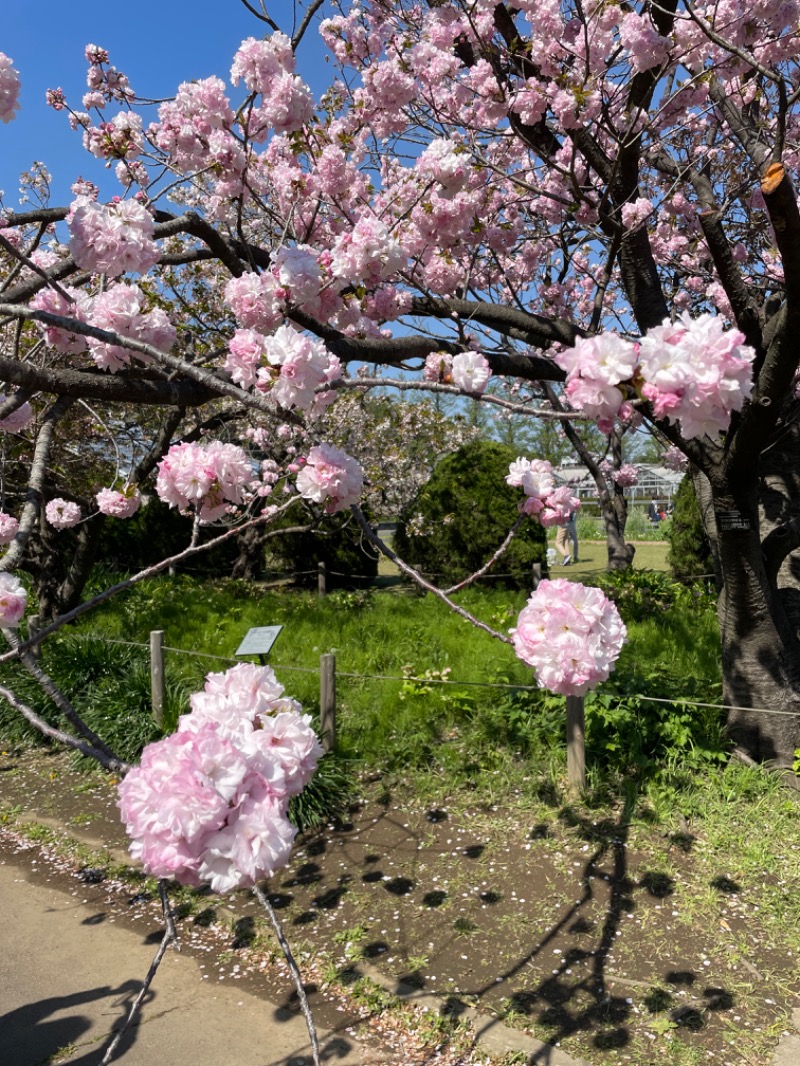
column 322, row 579
column 327, row 700
column 536, row 576
column 576, row 744
column 157, row 675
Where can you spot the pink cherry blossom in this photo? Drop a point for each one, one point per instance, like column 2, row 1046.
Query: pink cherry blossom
column 119, row 310
column 331, row 478
column 8, row 527
column 259, row 63
column 302, row 365
column 13, row 599
column 367, row 253
column 247, row 350
column 549, row 504
column 674, row 459
column 256, row 301
column 595, row 368
column 471, row 372
column 63, row 340
column 119, row 504
column 642, row 40
column 696, row 373
column 212, row 478
column 112, row 240
column 626, row 476
column 570, row 634
column 9, row 89
column 438, row 368
column 62, row 514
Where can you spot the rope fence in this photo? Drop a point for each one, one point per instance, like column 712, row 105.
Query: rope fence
column 507, row 686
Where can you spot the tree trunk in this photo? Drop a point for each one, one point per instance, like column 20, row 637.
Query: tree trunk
column 614, row 510
column 250, row 560
column 758, row 630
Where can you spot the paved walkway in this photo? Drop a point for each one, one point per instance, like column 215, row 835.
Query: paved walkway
column 67, row 977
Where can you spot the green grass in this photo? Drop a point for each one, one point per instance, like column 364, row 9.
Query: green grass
column 391, row 648
column 650, row 555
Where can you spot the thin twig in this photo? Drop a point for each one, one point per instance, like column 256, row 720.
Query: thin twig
column 263, row 899
column 479, row 573
column 142, row 575
column 170, row 936
column 415, row 576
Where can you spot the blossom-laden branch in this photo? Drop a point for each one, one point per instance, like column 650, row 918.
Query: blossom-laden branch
column 70, row 616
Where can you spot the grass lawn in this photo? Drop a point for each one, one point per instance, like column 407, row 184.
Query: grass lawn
column 650, row 555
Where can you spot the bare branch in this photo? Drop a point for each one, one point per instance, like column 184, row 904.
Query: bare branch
column 34, row 496
column 36, row 638
column 58, row 734
column 416, row 577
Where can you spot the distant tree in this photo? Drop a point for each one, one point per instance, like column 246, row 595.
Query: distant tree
column 690, row 557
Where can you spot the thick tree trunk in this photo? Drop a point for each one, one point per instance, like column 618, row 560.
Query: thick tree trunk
column 250, row 560
column 760, row 647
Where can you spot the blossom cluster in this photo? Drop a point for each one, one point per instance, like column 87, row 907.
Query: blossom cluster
column 331, row 478
column 288, row 364
column 674, row 459
column 8, row 527
column 470, row 371
column 112, row 240
column 18, row 419
column 548, row 503
column 212, row 478
column 626, row 476
column 62, row 514
column 570, row 634
column 117, row 504
column 692, row 371
column 118, row 309
column 209, row 803
column 9, row 89
column 267, row 69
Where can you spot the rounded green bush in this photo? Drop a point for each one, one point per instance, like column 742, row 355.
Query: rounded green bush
column 462, row 515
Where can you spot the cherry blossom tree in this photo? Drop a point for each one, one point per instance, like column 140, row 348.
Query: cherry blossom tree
column 589, row 200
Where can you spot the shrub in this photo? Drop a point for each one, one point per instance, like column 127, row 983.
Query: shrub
column 351, row 562
column 641, row 594
column 462, row 515
column 689, row 555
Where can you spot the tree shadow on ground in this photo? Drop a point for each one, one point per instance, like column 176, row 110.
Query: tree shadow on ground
column 38, row 1032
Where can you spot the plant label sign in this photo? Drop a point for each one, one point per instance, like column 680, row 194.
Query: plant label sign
column 733, row 522
column 259, row 640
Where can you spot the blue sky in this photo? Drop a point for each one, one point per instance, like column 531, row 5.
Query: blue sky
column 156, row 45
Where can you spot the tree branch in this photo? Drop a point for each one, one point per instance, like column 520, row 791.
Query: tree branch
column 34, row 496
